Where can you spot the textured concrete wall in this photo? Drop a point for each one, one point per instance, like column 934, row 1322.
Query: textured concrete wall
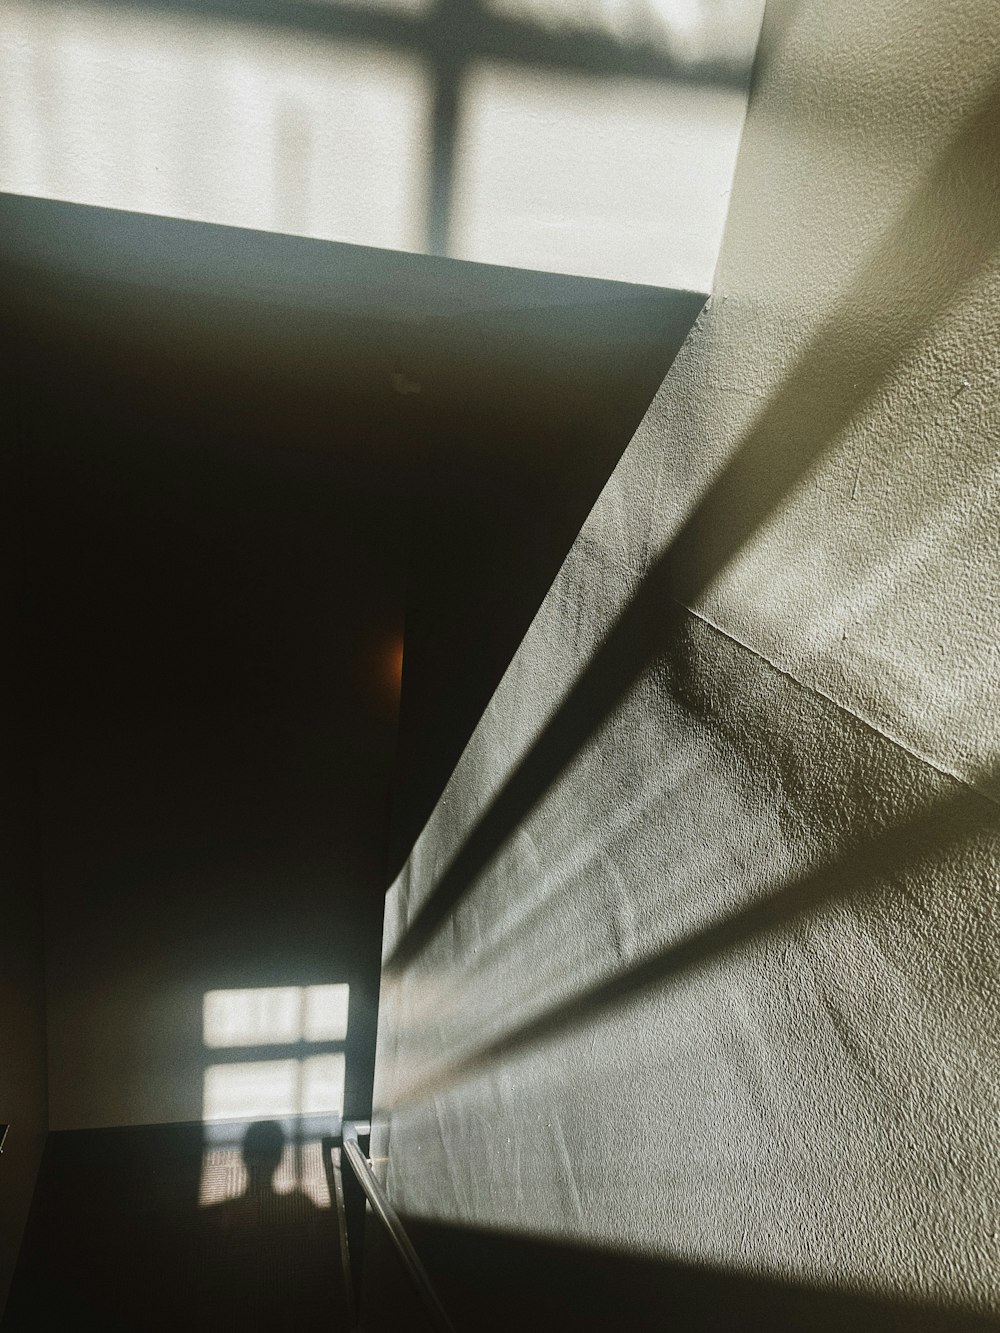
column 695, row 962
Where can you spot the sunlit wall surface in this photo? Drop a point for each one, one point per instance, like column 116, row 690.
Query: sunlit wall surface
column 691, row 978
column 595, row 140
column 623, row 177
column 218, row 122
column 225, row 1178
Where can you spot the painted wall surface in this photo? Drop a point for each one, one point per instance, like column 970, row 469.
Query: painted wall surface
column 690, row 996
column 22, row 979
column 595, row 140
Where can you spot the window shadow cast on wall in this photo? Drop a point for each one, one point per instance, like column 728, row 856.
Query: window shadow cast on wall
column 869, row 868
column 443, row 44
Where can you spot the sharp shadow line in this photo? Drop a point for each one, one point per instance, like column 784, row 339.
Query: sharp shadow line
column 517, row 42
column 945, row 824
column 483, row 36
column 912, row 277
column 264, row 1052
column 448, row 58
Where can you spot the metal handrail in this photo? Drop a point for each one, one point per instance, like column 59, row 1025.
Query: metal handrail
column 390, row 1219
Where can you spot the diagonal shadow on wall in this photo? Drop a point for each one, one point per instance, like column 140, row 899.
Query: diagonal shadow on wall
column 870, row 866
column 905, row 286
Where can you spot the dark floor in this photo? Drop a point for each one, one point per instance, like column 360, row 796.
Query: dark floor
column 492, row 1282
column 136, row 1229
column 149, row 1229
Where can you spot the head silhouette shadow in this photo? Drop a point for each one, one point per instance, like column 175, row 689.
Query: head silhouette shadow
column 263, row 1149
column 262, row 1202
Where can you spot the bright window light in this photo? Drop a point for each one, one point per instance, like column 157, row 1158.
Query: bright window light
column 573, row 174
column 409, row 7
column 245, row 1091
column 324, row 1015
column 294, row 1092
column 134, row 107
column 321, row 1086
column 253, row 1017
column 275, row 1088
column 275, row 1016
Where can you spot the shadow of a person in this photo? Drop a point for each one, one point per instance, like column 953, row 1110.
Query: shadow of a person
column 271, row 1253
column 261, row 1204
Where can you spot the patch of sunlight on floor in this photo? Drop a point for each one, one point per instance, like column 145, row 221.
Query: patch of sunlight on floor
column 224, row 1176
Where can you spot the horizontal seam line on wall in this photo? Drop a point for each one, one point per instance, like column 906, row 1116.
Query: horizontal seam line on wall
column 857, row 717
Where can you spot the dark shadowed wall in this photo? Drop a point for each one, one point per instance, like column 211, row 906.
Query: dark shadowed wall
column 690, row 1002
column 527, row 403
column 214, row 583
column 244, row 454
column 22, row 983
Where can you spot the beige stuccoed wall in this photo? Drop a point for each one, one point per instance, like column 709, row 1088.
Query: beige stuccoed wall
column 854, row 379
column 696, row 958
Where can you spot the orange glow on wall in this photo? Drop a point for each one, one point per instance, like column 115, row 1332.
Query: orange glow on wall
column 393, row 669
